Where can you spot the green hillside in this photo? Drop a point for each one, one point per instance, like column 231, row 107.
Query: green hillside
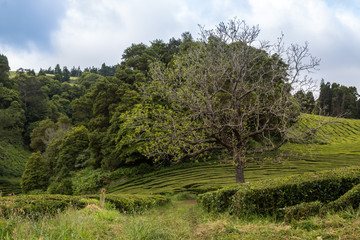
column 12, row 164
column 337, row 146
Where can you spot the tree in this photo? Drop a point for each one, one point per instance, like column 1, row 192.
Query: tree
column 337, row 100
column 65, row 75
column 306, row 101
column 36, row 172
column 58, row 73
column 222, row 94
column 72, row 146
column 4, row 72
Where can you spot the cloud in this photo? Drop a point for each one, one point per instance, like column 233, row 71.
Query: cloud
column 24, row 23
column 90, row 32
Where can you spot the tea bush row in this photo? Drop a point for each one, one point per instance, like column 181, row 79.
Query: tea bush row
column 129, row 203
column 351, row 199
column 36, row 205
column 271, row 197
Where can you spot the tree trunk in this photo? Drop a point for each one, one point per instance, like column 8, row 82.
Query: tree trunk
column 239, row 162
column 239, row 173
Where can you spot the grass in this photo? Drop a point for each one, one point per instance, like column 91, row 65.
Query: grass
column 176, row 221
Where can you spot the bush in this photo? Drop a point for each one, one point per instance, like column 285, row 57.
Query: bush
column 87, row 181
column 302, row 210
column 271, row 197
column 349, row 199
column 129, row 203
column 220, row 200
column 63, row 187
column 37, row 205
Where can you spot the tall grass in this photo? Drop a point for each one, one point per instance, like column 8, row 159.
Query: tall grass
column 176, row 221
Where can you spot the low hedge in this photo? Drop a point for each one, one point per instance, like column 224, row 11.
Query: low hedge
column 129, row 203
column 271, row 197
column 219, row 200
column 301, row 211
column 349, row 199
column 36, row 205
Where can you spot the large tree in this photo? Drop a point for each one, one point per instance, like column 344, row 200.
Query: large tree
column 227, row 92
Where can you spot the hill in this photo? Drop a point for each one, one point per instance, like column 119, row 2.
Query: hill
column 12, row 164
column 335, row 145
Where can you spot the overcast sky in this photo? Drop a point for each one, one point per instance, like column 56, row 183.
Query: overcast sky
column 41, row 33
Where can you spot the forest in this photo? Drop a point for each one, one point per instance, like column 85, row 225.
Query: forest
column 71, row 120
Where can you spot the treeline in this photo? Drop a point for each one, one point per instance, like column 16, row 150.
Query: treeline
column 334, row 100
column 64, row 73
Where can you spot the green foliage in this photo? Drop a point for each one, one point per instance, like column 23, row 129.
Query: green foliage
column 4, row 72
column 270, row 197
column 12, row 159
column 350, row 199
column 219, row 200
column 216, row 96
column 40, row 135
column 89, row 79
column 87, row 181
column 302, row 210
column 337, row 100
column 35, row 101
column 62, row 185
column 36, row 173
column 72, row 146
column 306, row 101
column 12, row 116
column 37, row 205
column 130, row 203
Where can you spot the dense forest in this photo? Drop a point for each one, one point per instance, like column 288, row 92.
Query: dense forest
column 73, row 119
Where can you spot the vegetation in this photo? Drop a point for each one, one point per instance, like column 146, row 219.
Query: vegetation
column 222, row 94
column 270, row 197
column 191, row 222
column 175, row 118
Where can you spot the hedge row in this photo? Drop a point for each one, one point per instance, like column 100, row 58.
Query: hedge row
column 129, row 203
column 219, row 200
column 304, row 210
column 36, row 205
column 271, row 197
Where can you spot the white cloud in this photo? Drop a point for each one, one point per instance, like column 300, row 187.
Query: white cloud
column 97, row 31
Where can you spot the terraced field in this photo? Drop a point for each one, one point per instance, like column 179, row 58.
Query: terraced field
column 338, row 146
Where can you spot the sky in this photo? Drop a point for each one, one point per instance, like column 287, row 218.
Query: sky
column 38, row 34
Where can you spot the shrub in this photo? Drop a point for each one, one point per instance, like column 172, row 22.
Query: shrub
column 349, row 199
column 87, row 181
column 220, row 200
column 129, row 203
column 302, row 210
column 271, row 196
column 63, row 187
column 36, row 205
